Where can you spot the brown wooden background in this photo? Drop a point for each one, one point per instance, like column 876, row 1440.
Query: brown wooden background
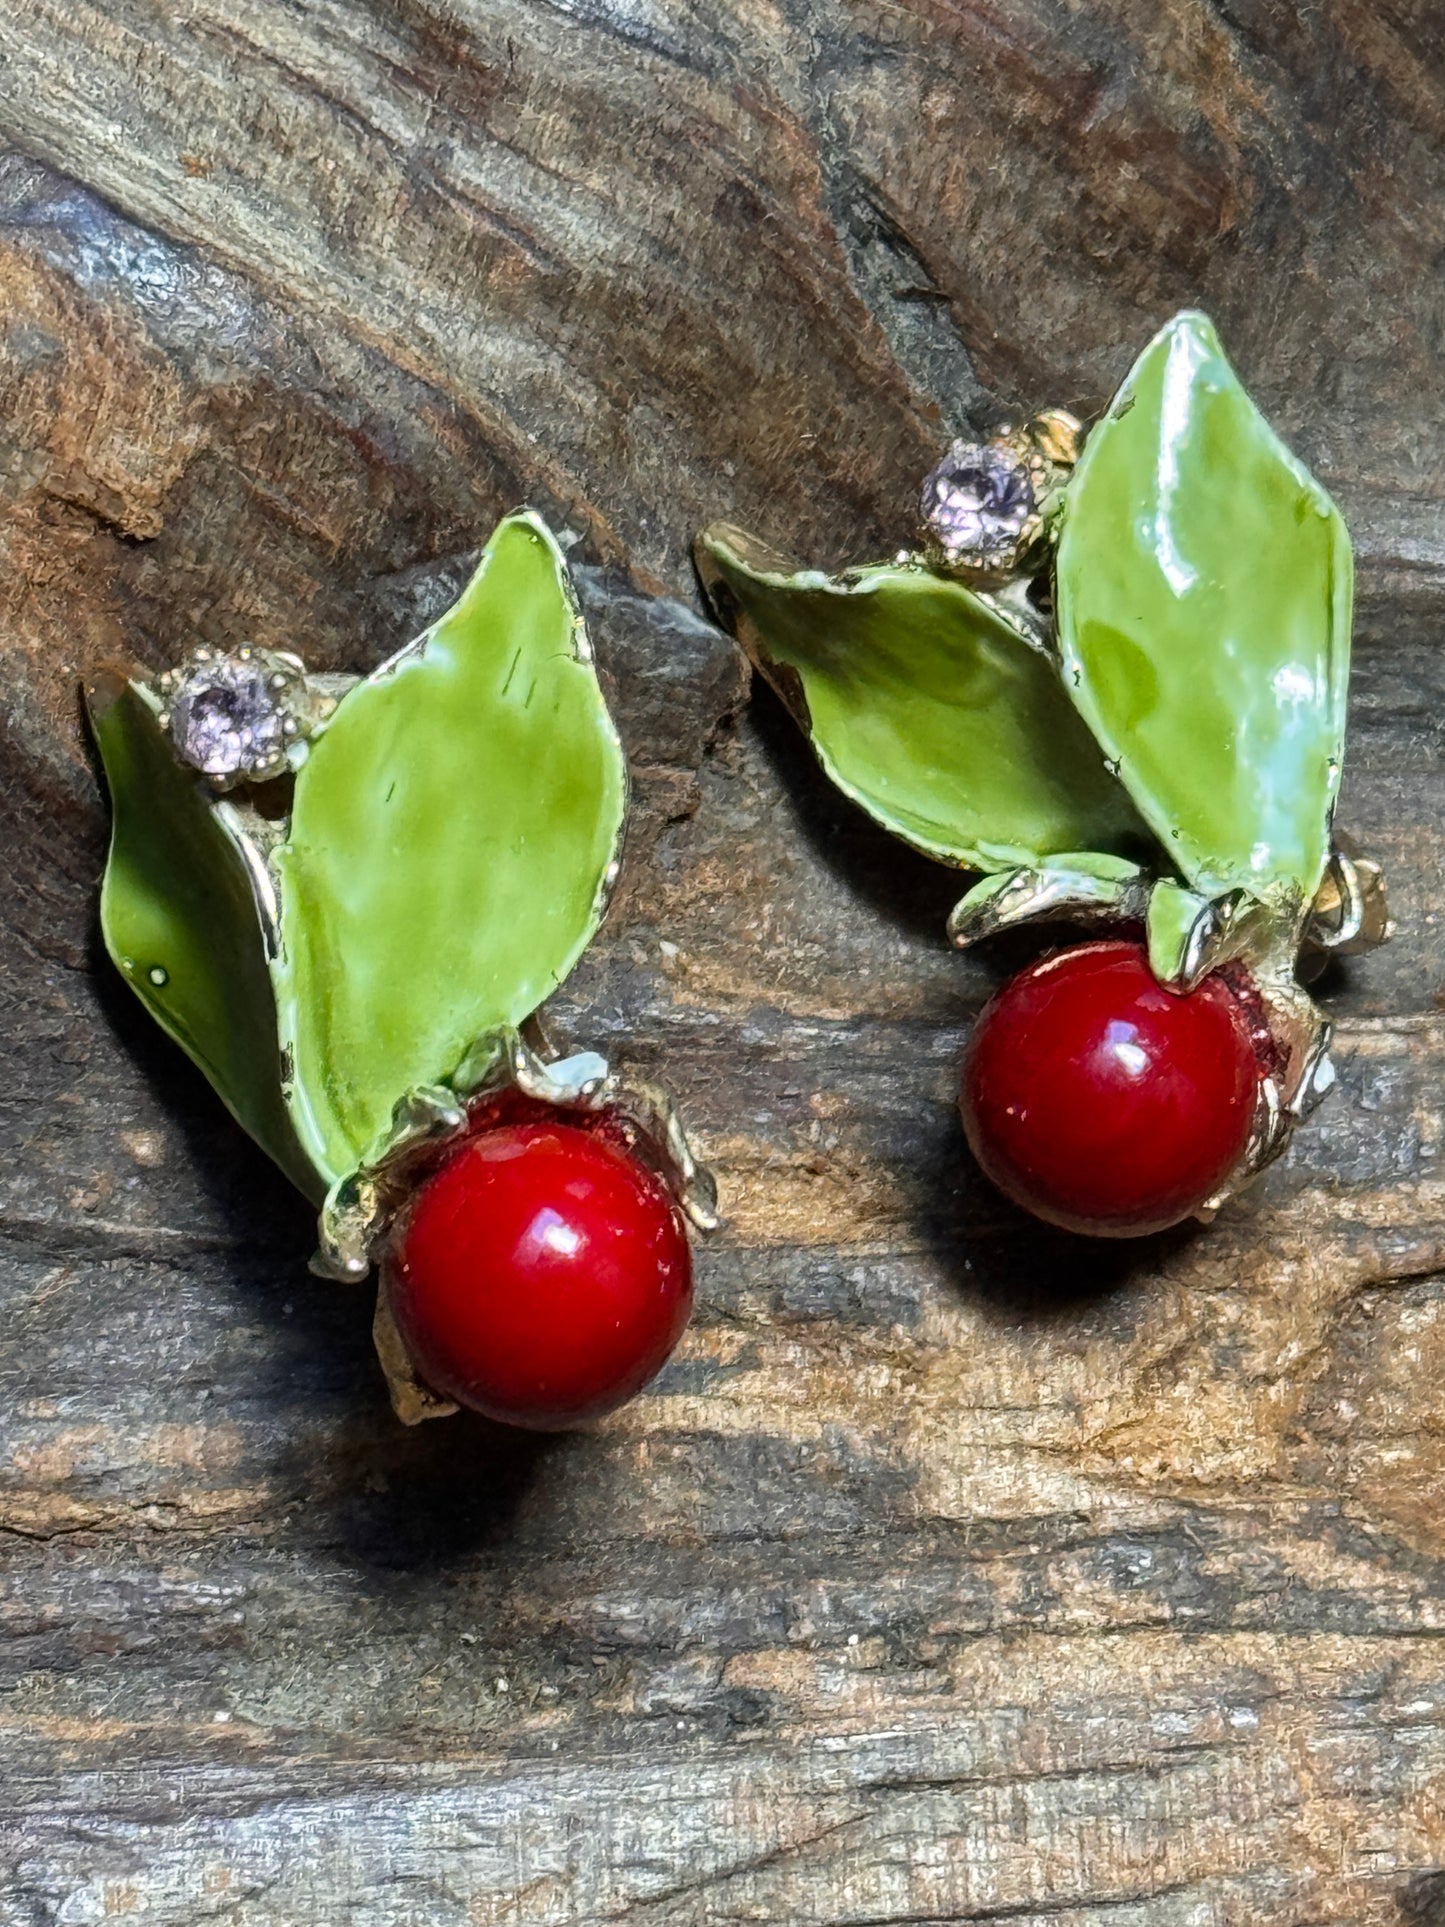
column 953, row 1572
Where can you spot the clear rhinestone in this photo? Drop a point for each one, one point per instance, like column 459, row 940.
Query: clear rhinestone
column 976, row 502
column 226, row 721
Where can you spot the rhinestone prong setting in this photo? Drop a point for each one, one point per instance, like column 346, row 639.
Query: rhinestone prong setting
column 986, row 506
column 240, row 716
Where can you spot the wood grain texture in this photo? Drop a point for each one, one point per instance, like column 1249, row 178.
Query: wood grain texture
column 953, row 1572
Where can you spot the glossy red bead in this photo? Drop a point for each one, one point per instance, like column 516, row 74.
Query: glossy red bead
column 542, row 1276
column 1100, row 1101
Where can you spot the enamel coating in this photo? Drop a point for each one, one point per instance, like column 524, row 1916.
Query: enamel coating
column 180, row 919
column 926, row 706
column 452, row 841
column 1203, row 594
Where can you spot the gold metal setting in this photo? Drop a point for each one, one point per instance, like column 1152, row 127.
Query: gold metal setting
column 299, row 706
column 1044, row 449
column 361, row 1211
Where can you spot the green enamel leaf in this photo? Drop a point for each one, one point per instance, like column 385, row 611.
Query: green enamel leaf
column 1203, row 598
column 452, row 839
column 925, row 706
column 180, row 919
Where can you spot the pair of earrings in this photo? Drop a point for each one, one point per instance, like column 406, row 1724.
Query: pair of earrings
column 1112, row 683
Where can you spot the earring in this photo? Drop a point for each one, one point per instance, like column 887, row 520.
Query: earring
column 346, row 898
column 1113, row 682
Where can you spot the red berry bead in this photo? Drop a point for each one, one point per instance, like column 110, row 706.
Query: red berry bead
column 1101, row 1101
column 542, row 1275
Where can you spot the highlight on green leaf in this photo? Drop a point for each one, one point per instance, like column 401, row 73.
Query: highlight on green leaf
column 1203, row 600
column 925, row 704
column 453, row 837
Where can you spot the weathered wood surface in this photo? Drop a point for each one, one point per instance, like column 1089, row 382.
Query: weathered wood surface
column 951, row 1573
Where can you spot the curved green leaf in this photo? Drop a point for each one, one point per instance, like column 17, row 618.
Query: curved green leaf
column 179, row 915
column 925, row 706
column 1203, row 590
column 453, row 835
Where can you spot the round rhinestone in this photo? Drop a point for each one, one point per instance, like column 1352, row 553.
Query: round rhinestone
column 225, row 720
column 976, row 502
